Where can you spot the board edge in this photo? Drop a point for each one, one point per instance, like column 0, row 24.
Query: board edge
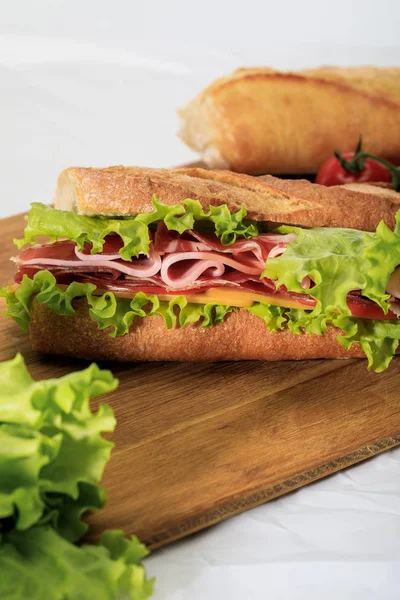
column 263, row 495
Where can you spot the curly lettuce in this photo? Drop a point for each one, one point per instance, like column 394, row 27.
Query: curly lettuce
column 106, row 310
column 338, row 261
column 274, row 317
column 52, row 455
column 40, row 564
column 378, row 339
column 134, row 231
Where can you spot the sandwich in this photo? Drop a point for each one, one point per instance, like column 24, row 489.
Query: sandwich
column 194, row 265
column 265, row 121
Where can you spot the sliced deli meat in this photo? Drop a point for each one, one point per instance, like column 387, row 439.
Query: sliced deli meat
column 176, row 262
column 194, row 264
column 167, row 242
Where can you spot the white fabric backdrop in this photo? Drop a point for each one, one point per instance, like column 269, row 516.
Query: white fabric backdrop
column 98, row 83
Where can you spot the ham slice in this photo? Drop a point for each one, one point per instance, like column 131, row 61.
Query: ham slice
column 167, row 242
column 174, row 262
column 82, row 262
column 183, row 269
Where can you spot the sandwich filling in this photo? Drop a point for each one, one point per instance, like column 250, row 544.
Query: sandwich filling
column 193, row 266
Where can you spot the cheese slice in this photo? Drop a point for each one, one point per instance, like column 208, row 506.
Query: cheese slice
column 236, row 298
column 229, row 297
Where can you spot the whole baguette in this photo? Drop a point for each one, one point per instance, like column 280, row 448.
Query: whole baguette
column 122, row 191
column 242, row 336
column 265, row 121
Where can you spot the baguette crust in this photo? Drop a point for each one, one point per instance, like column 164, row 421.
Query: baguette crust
column 356, row 206
column 264, row 121
column 119, row 191
column 242, row 336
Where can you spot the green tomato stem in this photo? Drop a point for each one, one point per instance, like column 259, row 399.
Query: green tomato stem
column 357, row 164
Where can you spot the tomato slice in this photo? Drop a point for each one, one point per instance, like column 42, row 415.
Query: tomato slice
column 366, row 309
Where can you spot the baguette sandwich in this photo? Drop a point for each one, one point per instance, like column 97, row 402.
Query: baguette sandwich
column 196, row 265
column 264, row 121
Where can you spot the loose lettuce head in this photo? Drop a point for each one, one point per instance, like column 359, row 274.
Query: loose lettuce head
column 39, row 564
column 134, row 231
column 52, row 456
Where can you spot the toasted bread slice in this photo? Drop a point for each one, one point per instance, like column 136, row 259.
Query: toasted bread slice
column 264, row 121
column 123, row 191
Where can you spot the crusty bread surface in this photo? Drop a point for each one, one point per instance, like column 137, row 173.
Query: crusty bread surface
column 122, row 191
column 242, row 336
column 265, row 121
column 119, row 191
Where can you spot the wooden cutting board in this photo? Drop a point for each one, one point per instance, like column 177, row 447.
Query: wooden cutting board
column 197, row 443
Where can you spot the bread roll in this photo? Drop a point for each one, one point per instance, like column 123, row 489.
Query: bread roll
column 264, row 121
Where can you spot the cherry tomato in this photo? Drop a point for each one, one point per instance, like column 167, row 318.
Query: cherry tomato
column 332, row 173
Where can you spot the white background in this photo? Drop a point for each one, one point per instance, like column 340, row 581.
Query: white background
column 98, row 83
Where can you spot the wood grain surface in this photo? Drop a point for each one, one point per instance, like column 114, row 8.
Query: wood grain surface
column 196, row 444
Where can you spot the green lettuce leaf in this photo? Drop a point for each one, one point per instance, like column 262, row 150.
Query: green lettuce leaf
column 378, row 339
column 274, row 317
column 338, row 261
column 52, row 454
column 39, row 564
column 51, row 457
column 134, row 231
column 106, row 310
